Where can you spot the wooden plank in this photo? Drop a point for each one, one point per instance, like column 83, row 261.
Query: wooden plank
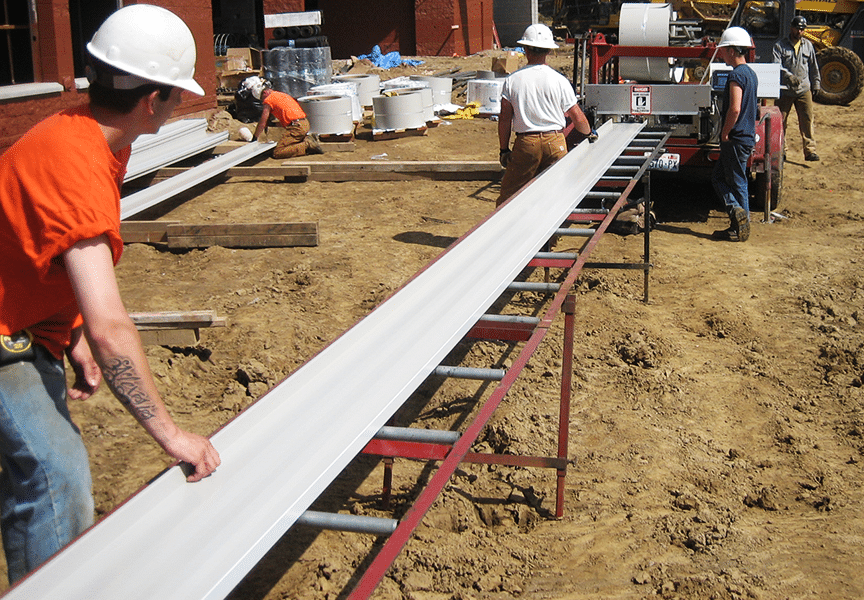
column 174, row 328
column 144, row 232
column 402, row 176
column 398, row 133
column 407, row 166
column 237, row 235
column 275, row 171
column 295, row 171
column 229, row 145
column 243, row 235
column 346, row 146
column 176, row 319
column 488, row 170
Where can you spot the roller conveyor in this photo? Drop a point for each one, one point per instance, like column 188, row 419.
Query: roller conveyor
column 178, row 540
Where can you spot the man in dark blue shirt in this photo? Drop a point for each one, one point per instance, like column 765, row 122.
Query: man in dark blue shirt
column 738, row 134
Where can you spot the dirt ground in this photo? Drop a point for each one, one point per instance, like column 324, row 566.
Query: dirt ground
column 716, row 433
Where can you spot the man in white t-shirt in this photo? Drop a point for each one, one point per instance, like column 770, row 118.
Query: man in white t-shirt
column 535, row 102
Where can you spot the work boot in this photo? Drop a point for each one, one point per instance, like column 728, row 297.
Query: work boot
column 740, row 223
column 812, row 157
column 725, row 235
column 313, row 144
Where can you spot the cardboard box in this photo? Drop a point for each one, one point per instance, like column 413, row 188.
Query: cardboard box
column 506, row 64
column 231, row 80
column 243, row 59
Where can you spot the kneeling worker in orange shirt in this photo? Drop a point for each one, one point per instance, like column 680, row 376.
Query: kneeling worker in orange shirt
column 296, row 140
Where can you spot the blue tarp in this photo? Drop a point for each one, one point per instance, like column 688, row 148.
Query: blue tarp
column 389, row 60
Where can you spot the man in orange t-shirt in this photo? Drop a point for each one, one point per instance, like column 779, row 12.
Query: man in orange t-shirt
column 59, row 239
column 296, row 140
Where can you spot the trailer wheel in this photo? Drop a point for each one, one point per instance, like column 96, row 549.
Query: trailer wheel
column 842, row 75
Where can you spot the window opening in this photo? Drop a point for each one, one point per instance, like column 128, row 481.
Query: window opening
column 16, row 57
column 85, row 17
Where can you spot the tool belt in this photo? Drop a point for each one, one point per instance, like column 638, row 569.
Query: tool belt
column 16, row 347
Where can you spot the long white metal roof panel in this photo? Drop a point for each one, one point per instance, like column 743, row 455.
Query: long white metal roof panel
column 140, row 201
column 186, row 541
column 173, row 142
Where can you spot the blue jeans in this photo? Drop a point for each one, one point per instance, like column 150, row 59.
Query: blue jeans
column 729, row 177
column 45, row 487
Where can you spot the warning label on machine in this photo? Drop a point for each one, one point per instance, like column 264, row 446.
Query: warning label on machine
column 640, row 99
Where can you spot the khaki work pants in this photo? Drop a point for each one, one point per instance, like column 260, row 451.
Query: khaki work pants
column 804, row 110
column 294, row 141
column 532, row 154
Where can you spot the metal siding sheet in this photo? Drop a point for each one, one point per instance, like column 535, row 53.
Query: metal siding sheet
column 199, row 540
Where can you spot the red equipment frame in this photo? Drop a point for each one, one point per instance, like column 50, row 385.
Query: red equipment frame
column 603, row 68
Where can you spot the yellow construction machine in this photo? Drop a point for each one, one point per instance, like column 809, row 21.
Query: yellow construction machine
column 835, row 27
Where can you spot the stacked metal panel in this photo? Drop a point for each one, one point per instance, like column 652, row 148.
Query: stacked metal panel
column 172, row 143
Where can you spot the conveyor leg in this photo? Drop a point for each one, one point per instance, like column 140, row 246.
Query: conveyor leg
column 569, row 308
column 386, row 491
column 647, row 234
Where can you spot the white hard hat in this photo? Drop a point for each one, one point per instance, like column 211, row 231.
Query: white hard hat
column 538, row 36
column 150, row 43
column 735, row 36
column 255, row 85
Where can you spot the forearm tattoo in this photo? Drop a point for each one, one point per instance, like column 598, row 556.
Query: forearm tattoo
column 124, row 381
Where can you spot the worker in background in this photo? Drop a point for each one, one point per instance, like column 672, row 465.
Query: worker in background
column 737, row 134
column 296, row 141
column 799, row 74
column 536, row 100
column 60, row 239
